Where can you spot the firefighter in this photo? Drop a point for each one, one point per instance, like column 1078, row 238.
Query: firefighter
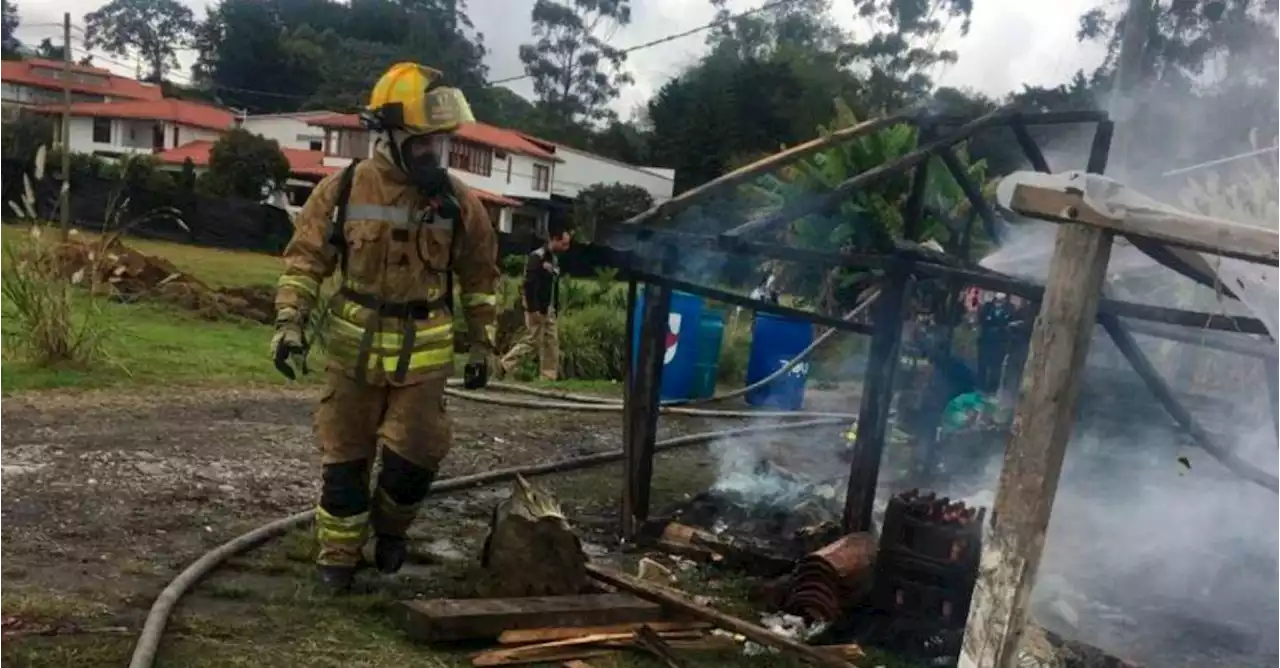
column 398, row 228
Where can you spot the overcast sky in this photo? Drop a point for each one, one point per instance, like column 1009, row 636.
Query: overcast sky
column 1010, row 42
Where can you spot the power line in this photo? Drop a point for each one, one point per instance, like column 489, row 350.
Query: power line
column 493, row 82
column 672, row 37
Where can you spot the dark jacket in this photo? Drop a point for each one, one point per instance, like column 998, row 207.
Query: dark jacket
column 541, row 281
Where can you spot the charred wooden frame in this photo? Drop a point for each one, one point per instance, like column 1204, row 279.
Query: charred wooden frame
column 902, row 266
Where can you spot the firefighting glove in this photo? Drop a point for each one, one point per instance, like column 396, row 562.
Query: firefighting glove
column 289, row 345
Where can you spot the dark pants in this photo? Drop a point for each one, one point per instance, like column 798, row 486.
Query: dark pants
column 990, row 365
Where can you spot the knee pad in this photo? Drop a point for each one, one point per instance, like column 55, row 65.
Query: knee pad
column 345, row 491
column 403, row 481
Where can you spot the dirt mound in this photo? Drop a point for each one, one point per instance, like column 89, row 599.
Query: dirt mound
column 120, row 272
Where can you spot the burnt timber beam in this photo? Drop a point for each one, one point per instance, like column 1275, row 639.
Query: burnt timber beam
column 848, row 186
column 971, row 192
column 1164, row 394
column 1028, row 144
column 749, row 303
column 643, row 408
column 923, row 266
column 1034, row 453
column 1273, row 393
column 882, row 366
column 1069, row 117
column 1213, row 340
column 629, row 411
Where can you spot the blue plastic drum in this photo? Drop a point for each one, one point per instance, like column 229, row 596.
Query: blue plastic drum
column 775, row 341
column 680, row 359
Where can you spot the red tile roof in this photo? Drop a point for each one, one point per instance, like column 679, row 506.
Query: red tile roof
column 480, row 133
column 307, row 163
column 494, row 198
column 175, row 111
column 24, row 72
column 502, row 138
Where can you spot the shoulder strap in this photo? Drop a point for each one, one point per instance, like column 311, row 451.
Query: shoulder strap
column 337, row 227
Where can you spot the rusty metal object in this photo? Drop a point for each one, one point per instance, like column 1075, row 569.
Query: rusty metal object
column 832, row 579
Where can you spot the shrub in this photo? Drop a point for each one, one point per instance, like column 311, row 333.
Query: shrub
column 734, row 351
column 48, row 326
column 243, row 164
column 592, row 343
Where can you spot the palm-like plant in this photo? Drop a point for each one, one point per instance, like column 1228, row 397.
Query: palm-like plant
column 868, row 220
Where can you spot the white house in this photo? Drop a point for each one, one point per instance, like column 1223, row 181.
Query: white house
column 113, row 129
column 36, row 81
column 292, row 130
column 579, row 169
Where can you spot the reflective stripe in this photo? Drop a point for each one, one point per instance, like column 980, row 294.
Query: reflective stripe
column 423, row 359
column 304, row 284
column 491, row 333
column 398, row 217
column 390, row 342
column 341, row 530
column 479, row 299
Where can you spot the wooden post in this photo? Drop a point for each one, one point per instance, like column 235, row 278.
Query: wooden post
column 1033, row 456
column 629, row 406
column 882, row 365
column 642, row 407
column 1273, row 392
column 64, row 195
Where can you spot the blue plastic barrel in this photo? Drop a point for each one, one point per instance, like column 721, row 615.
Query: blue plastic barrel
column 681, row 353
column 706, row 366
column 775, row 341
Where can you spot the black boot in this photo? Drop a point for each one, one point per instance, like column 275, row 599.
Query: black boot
column 389, row 553
column 336, row 580
column 402, row 485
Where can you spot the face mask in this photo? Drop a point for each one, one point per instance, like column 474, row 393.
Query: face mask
column 415, row 156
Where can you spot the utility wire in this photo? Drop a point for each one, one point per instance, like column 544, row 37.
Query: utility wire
column 650, row 44
column 672, row 37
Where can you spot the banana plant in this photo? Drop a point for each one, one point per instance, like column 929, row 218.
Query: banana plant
column 868, row 220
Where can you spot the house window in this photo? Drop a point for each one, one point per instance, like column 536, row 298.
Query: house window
column 102, row 130
column 470, row 157
column 176, row 143
column 316, row 145
column 541, row 178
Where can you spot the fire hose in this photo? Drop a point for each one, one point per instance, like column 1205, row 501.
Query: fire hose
column 144, row 652
column 149, row 640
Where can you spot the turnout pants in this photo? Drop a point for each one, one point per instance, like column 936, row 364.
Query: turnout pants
column 541, row 336
column 352, row 423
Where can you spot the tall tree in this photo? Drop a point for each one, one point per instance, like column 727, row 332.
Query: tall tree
column 153, row 30
column 10, row 47
column 576, row 73
column 899, row 54
column 47, row 49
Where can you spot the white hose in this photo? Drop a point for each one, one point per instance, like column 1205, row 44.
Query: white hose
column 144, row 652
column 589, row 399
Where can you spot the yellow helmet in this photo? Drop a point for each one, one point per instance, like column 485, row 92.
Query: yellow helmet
column 409, row 97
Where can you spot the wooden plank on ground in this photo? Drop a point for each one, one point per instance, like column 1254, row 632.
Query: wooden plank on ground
column 437, row 620
column 522, row 636
column 1034, row 453
column 678, row 601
